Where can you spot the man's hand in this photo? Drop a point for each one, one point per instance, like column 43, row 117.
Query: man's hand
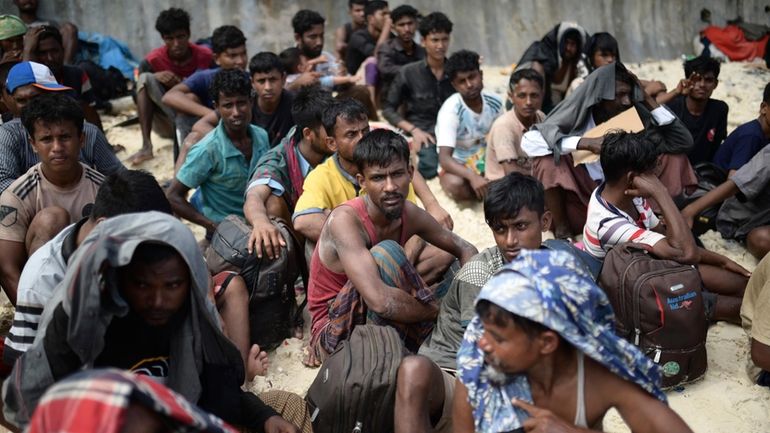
column 645, row 185
column 684, row 86
column 542, row 420
column 440, row 214
column 31, row 39
column 688, row 216
column 479, row 185
column 306, row 79
column 731, row 266
column 276, row 424
column 593, row 145
column 421, row 138
column 265, row 238
column 654, row 87
column 167, row 78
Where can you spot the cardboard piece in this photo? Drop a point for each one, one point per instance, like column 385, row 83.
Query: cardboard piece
column 628, row 121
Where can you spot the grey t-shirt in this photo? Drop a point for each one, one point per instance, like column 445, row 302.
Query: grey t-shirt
column 457, row 308
column 750, row 208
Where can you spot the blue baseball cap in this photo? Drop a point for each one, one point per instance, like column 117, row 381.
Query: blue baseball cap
column 33, row 73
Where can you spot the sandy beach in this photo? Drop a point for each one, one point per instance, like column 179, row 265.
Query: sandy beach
column 723, row 401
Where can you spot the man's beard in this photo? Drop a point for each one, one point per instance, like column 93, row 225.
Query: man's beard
column 310, row 52
column 393, row 213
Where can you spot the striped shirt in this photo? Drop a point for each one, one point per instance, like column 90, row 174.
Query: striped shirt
column 17, row 156
column 607, row 226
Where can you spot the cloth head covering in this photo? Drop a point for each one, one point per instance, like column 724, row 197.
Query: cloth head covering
column 96, row 401
column 33, row 73
column 550, row 288
column 11, row 26
column 572, row 113
column 90, row 297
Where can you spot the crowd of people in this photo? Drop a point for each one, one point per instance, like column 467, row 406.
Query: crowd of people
column 119, row 318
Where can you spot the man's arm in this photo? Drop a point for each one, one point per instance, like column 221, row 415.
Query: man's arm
column 393, row 100
column 339, row 42
column 642, row 412
column 181, row 99
column 311, row 224
column 462, row 412
column 760, row 355
column 345, row 236
column 206, row 124
column 423, row 225
column 717, row 195
column 432, row 206
column 10, row 158
column 386, row 63
column 477, row 182
column 177, row 196
column 103, row 157
column 265, row 237
column 13, row 255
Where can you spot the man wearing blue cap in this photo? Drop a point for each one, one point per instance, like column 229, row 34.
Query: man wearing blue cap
column 26, row 81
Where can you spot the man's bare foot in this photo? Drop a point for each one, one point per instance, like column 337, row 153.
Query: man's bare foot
column 139, row 157
column 310, row 359
column 257, row 363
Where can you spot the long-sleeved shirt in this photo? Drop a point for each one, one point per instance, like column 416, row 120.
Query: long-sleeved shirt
column 391, row 57
column 418, row 89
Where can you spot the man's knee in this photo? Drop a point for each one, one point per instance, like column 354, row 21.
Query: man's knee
column 456, row 187
column 758, row 241
column 46, row 224
column 414, row 375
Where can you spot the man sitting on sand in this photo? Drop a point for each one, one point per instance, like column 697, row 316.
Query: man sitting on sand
column 349, row 275
column 137, row 298
column 756, row 323
column 56, row 192
column 619, row 212
column 504, row 153
column 25, row 81
column 162, row 69
column 462, row 126
column 541, row 354
column 607, row 92
column 222, row 162
column 746, row 140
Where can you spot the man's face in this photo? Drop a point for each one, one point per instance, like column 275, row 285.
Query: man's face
column 378, row 18
column 22, row 95
column 508, row 348
column 436, row 45
column 405, row 28
column 571, row 48
column 157, row 291
column 29, row 6
column 311, row 43
column 611, row 108
column 388, row 186
column 235, row 112
column 51, row 53
column 469, row 84
column 357, row 14
column 703, row 86
column 524, row 231
column 347, row 133
column 527, row 98
column 318, row 140
column 177, row 43
column 602, row 58
column 232, row 58
column 13, row 45
column 57, row 144
column 268, row 85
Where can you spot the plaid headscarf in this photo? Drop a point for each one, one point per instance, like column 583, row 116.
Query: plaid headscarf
column 547, row 287
column 97, row 400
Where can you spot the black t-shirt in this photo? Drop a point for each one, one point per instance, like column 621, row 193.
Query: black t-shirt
column 279, row 122
column 708, row 130
column 361, row 46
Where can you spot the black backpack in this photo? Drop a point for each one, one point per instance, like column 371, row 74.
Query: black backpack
column 273, row 310
column 355, row 389
column 709, row 176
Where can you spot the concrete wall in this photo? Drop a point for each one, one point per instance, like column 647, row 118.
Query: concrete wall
column 500, row 30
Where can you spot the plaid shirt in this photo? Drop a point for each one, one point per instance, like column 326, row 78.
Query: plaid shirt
column 17, row 156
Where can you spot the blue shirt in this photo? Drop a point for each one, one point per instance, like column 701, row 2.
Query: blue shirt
column 221, row 171
column 740, row 146
column 199, row 83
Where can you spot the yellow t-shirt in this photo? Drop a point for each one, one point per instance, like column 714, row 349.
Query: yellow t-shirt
column 328, row 186
column 755, row 310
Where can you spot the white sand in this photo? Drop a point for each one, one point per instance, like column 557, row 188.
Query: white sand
column 723, row 401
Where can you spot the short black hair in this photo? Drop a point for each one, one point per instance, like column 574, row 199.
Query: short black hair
column 435, row 22
column 290, row 59
column 153, row 252
column 265, row 62
column 403, row 11
column 347, row 108
column 507, row 196
column 623, row 152
column 226, row 37
column 52, row 107
column 461, row 61
column 305, row 19
column 501, row 317
column 172, row 20
column 526, row 74
column 601, row 42
column 379, row 148
column 129, row 191
column 701, row 65
column 357, row 2
column 50, row 32
column 229, row 82
column 765, row 94
column 309, row 105
column 373, row 6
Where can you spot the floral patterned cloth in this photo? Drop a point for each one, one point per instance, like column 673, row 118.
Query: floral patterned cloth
column 550, row 288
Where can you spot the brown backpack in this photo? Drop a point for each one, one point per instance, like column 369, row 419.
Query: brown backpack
column 355, row 389
column 659, row 307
